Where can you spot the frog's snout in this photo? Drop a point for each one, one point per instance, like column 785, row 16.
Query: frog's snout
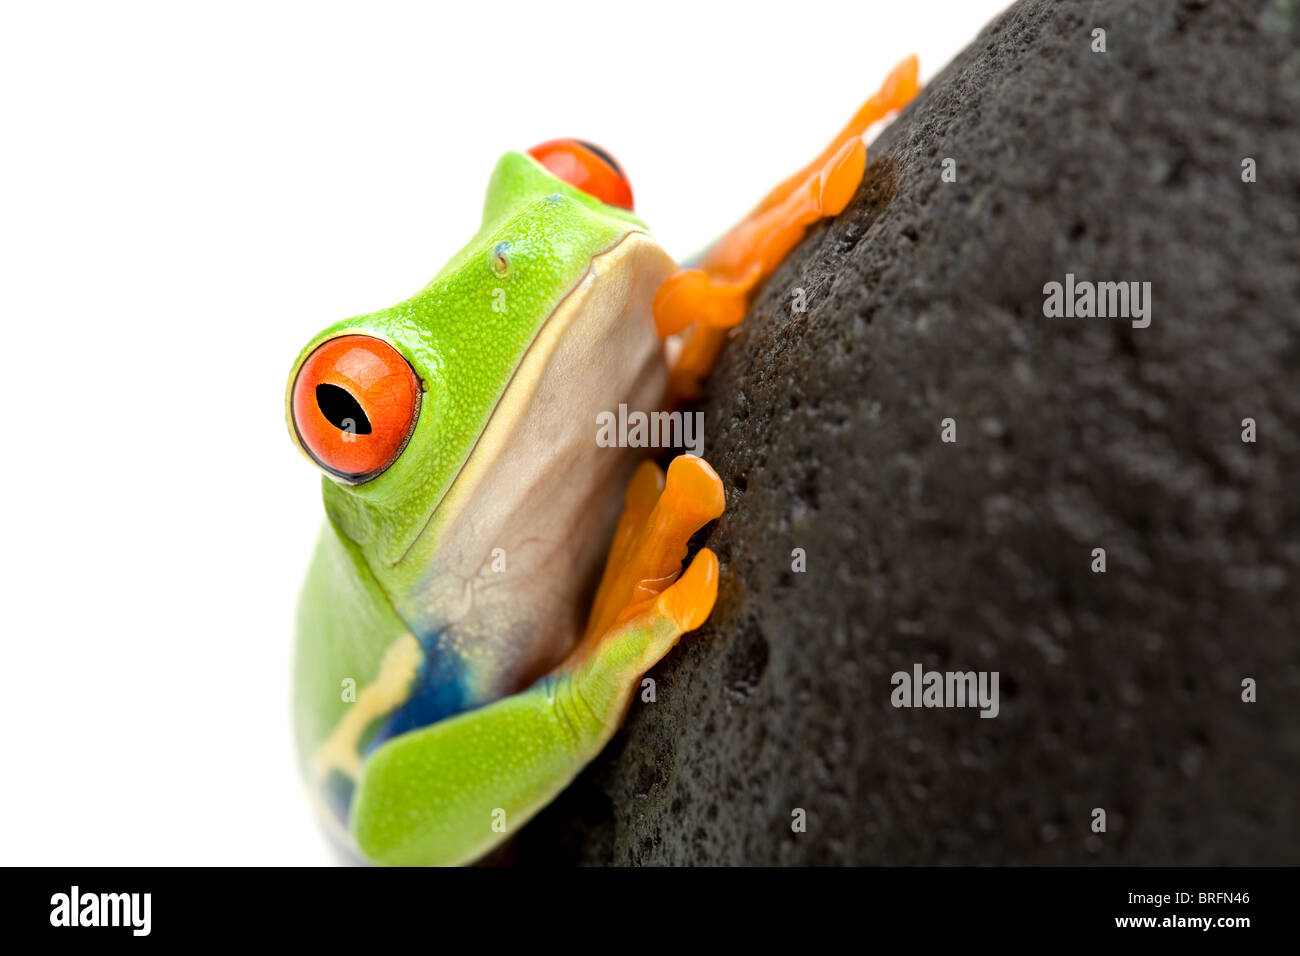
column 353, row 406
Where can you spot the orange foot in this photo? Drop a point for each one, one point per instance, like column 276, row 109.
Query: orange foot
column 704, row 302
column 645, row 559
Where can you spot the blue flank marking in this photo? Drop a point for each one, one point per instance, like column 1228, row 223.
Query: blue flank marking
column 438, row 693
column 337, row 793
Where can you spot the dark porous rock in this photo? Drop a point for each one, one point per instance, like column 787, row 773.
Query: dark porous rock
column 925, row 301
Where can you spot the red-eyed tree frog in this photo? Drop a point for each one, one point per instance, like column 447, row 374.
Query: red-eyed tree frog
column 452, row 672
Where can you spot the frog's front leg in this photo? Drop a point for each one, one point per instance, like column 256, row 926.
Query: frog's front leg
column 704, row 301
column 449, row 792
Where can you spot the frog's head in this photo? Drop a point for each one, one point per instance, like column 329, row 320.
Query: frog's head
column 392, row 404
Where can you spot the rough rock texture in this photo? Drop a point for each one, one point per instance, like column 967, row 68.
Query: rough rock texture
column 1119, row 690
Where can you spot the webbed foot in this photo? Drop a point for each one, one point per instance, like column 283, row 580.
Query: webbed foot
column 703, row 302
column 641, row 590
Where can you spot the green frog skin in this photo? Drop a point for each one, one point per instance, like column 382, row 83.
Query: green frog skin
column 452, row 671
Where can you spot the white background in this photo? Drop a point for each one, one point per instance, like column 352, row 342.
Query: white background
column 186, row 195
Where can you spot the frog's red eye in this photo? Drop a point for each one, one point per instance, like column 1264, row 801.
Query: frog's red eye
column 354, row 404
column 588, row 167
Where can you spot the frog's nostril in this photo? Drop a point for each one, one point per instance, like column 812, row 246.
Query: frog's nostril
column 342, row 410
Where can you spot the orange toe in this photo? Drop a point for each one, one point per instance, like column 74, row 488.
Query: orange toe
column 689, row 601
column 840, row 176
column 692, row 295
column 642, row 493
column 648, row 558
column 693, row 494
column 698, row 355
column 704, row 302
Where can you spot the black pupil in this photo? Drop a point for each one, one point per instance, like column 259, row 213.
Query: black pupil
column 342, row 410
column 609, row 160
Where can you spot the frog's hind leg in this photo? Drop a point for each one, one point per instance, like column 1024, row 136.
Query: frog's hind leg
column 701, row 303
column 448, row 792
